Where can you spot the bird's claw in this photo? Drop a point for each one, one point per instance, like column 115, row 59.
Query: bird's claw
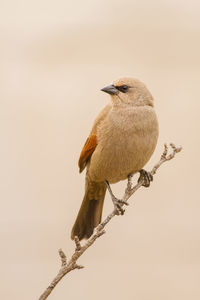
column 146, row 176
column 116, row 202
column 118, row 205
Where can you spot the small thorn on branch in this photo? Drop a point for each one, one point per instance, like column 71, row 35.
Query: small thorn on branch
column 163, row 156
column 175, row 149
column 78, row 267
column 78, row 244
column 63, row 257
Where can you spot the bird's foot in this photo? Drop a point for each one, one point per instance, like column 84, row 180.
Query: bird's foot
column 118, row 203
column 146, row 176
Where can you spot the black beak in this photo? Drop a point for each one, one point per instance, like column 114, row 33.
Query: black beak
column 110, row 89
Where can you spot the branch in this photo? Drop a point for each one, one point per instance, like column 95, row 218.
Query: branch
column 67, row 267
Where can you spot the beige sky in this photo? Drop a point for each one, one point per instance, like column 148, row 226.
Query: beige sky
column 55, row 57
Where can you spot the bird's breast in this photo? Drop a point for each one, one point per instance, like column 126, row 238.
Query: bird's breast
column 126, row 141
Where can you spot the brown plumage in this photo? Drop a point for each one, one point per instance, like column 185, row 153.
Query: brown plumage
column 122, row 140
column 90, row 212
column 87, row 151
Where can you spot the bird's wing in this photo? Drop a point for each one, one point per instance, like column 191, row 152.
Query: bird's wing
column 87, row 151
column 91, row 142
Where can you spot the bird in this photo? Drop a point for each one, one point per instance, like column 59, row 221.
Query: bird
column 122, row 140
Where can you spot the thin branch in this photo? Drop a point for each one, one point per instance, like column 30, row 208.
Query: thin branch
column 63, row 257
column 67, row 267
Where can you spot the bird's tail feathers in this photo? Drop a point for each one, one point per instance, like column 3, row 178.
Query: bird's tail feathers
column 90, row 212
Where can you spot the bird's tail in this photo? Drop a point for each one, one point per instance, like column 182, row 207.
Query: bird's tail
column 90, row 212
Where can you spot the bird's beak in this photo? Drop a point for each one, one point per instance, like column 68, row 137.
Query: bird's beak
column 110, row 89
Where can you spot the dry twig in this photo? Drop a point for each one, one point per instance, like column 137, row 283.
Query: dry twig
column 67, row 267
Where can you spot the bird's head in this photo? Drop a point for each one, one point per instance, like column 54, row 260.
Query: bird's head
column 129, row 91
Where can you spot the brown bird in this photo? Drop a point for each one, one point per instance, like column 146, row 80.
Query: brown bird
column 121, row 142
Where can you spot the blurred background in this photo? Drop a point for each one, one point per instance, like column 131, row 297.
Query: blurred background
column 55, row 56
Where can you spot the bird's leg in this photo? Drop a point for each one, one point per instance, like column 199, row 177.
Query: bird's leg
column 146, row 176
column 116, row 202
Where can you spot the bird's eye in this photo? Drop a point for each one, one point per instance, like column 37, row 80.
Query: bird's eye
column 123, row 88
